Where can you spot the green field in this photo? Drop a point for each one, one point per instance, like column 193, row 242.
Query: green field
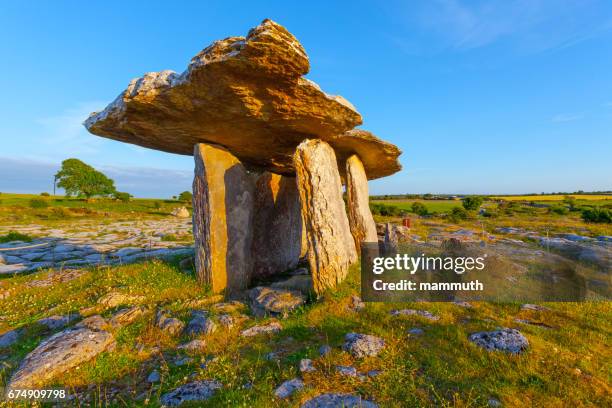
column 433, row 206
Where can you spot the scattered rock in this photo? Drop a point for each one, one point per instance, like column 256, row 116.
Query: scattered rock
column 356, row 303
column 200, row 323
column 169, row 325
column 114, row 299
column 539, row 308
column 194, row 391
column 494, row 403
column 508, row 340
column 464, row 304
column 306, row 366
column 126, row 316
column 415, row 331
column 363, row 345
column 181, row 361
column 95, row 322
column 324, row 350
column 154, row 377
column 271, row 328
column 180, row 212
column 9, row 338
column 265, row 300
column 193, row 346
column 286, row 389
column 58, row 322
column 227, row 321
column 373, row 373
column 338, row 401
column 347, row 370
column 413, row 312
column 60, row 353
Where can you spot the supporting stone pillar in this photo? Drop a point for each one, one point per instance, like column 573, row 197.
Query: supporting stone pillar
column 278, row 232
column 222, row 219
column 331, row 248
column 360, row 217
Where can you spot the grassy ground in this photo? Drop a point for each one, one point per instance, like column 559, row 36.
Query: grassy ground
column 17, row 209
column 433, row 206
column 565, row 366
column 556, row 197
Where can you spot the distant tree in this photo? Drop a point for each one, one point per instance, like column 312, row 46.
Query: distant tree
column 472, row 203
column 45, row 194
column 185, row 196
column 458, row 214
column 419, row 208
column 597, row 214
column 122, row 196
column 80, row 179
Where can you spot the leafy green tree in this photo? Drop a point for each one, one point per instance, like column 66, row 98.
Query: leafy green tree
column 122, row 196
column 458, row 214
column 80, row 179
column 185, row 196
column 597, row 214
column 472, row 203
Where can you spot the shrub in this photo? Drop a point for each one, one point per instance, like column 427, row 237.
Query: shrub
column 157, row 205
column 458, row 214
column 472, row 202
column 185, row 196
column 60, row 212
column 14, row 236
column 122, row 196
column 385, row 209
column 597, row 214
column 169, row 237
column 419, row 208
column 45, row 194
column 38, row 203
column 558, row 209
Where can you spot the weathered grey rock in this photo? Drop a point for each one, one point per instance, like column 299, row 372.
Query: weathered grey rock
column 356, row 303
column 58, row 322
column 300, row 283
column 413, row 312
column 200, row 323
column 363, row 345
column 222, row 219
column 194, row 391
column 338, row 401
column 180, row 212
column 58, row 354
column 415, row 331
column 9, row 338
column 265, row 300
column 279, row 239
column 324, row 350
column 170, row 325
column 227, row 321
column 193, row 346
column 286, row 389
column 127, row 316
column 508, row 340
column 529, row 306
column 95, row 322
column 154, row 377
column 360, row 217
column 331, row 248
column 270, row 328
column 347, row 370
column 306, row 366
column 115, row 298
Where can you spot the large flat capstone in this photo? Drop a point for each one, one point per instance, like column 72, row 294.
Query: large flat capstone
column 248, row 95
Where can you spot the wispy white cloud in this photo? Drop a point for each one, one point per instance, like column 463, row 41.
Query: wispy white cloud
column 566, row 117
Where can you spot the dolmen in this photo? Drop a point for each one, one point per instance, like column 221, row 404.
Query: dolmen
column 272, row 154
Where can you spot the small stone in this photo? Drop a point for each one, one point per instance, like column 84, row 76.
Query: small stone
column 114, row 299
column 180, row 212
column 538, row 308
column 58, row 322
column 194, row 391
column 508, row 340
column 413, row 312
column 181, row 361
column 356, row 303
column 272, row 356
column 271, row 328
column 169, row 325
column 462, row 303
column 9, row 338
column 95, row 322
column 338, row 401
column 415, row 331
column 286, row 389
column 324, row 350
column 200, row 324
column 266, row 300
column 154, row 377
column 373, row 373
column 494, row 403
column 306, row 366
column 126, row 316
column 227, row 321
column 193, row 345
column 363, row 345
column 347, row 370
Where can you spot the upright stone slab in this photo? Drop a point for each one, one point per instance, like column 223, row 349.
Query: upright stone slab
column 277, row 225
column 222, row 219
column 360, row 218
column 331, row 248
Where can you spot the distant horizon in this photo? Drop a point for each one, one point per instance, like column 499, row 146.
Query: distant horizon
column 491, row 96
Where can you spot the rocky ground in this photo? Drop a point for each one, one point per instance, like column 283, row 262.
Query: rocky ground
column 131, row 331
column 88, row 243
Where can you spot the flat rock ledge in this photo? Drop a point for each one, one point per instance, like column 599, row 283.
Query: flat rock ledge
column 363, row 345
column 271, row 328
column 331, row 400
column 193, row 391
column 265, row 300
column 508, row 340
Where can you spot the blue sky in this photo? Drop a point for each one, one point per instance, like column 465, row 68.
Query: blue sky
column 482, row 97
